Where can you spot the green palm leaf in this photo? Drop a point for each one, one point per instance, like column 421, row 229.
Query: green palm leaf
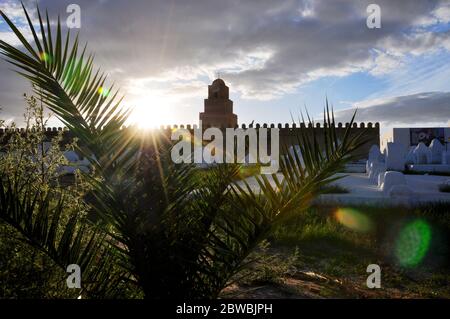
column 251, row 214
column 63, row 75
column 66, row 241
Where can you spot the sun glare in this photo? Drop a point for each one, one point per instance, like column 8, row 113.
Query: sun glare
column 150, row 113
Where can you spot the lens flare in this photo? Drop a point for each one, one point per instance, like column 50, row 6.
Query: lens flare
column 104, row 92
column 353, row 219
column 44, row 56
column 413, row 243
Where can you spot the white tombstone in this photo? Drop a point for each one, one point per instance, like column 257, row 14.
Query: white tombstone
column 375, row 156
column 376, row 169
column 46, row 147
column 395, row 157
column 410, row 158
column 71, row 156
column 392, row 178
column 83, row 169
column 436, row 151
column 72, row 169
column 67, row 169
column 84, row 162
column 370, row 169
column 422, row 154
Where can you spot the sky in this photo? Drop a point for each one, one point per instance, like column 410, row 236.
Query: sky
column 277, row 57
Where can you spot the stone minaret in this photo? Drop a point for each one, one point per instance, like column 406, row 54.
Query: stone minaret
column 218, row 107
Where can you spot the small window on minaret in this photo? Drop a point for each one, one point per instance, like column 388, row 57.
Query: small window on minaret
column 216, row 95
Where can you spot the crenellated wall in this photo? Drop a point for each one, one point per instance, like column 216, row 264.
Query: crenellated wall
column 189, row 126
column 288, row 132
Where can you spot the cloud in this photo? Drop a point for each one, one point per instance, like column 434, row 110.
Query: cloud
column 427, row 107
column 264, row 49
column 441, row 14
column 12, row 87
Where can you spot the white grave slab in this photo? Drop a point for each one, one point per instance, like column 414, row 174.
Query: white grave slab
column 395, row 157
column 436, row 149
column 422, row 154
column 392, row 178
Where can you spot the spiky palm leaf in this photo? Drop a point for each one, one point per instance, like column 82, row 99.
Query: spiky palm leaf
column 63, row 76
column 41, row 221
column 65, row 80
column 251, row 214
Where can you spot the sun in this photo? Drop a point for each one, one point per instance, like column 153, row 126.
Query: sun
column 150, row 112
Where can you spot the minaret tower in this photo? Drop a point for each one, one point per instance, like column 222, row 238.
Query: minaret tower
column 218, row 107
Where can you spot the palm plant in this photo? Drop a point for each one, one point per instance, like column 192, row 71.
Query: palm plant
column 174, row 235
column 35, row 203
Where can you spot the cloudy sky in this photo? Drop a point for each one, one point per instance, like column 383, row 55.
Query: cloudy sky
column 276, row 56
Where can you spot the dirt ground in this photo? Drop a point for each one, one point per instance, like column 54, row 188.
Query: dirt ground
column 326, row 274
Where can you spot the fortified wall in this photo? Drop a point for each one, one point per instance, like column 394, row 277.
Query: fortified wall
column 289, row 133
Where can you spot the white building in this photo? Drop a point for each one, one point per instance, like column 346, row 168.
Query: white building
column 413, row 136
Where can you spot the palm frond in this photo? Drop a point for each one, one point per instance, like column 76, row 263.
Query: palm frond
column 63, row 75
column 252, row 214
column 40, row 220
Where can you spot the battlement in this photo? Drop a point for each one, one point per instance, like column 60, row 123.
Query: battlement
column 243, row 126
column 21, row 129
column 278, row 125
column 288, row 132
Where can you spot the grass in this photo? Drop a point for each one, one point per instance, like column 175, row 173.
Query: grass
column 325, row 258
column 334, row 189
column 316, row 224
